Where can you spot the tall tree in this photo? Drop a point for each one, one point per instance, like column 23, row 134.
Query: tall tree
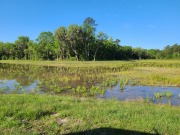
column 101, row 38
column 89, row 29
column 74, row 38
column 62, row 48
column 32, row 50
column 21, row 44
column 45, row 44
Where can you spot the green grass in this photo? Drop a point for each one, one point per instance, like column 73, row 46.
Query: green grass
column 141, row 63
column 50, row 114
column 161, row 94
column 158, row 94
column 169, row 94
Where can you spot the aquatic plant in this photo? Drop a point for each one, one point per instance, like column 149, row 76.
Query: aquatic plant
column 88, row 74
column 95, row 90
column 168, row 94
column 158, row 94
column 147, row 98
column 2, row 82
column 4, row 89
column 112, row 83
column 80, row 89
column 121, row 85
column 161, row 94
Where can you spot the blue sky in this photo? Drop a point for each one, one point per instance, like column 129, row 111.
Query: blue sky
column 139, row 23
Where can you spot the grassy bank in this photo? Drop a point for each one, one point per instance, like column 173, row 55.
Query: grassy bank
column 50, row 114
column 146, row 63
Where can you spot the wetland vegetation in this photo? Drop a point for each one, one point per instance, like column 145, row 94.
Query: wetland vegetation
column 48, row 97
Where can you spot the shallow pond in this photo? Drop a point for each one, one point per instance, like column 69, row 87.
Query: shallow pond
column 144, row 92
column 77, row 81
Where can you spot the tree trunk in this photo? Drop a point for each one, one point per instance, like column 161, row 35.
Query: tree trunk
column 87, row 53
column 57, row 57
column 77, row 57
column 75, row 51
column 96, row 53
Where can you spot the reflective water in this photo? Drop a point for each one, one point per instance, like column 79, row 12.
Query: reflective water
column 12, row 86
column 144, row 92
column 61, row 80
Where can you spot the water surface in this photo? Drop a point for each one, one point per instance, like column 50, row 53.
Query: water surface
column 62, row 80
column 144, row 92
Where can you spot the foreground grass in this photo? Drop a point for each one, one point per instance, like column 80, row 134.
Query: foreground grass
column 50, row 114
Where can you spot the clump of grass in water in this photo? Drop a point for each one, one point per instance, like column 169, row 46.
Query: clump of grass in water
column 96, row 90
column 161, row 94
column 121, row 85
column 168, row 93
column 112, row 83
column 147, row 98
column 158, row 94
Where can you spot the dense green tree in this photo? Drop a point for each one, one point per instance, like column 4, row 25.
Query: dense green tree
column 153, row 53
column 138, row 53
column 21, row 44
column 45, row 45
column 61, row 49
column 32, row 51
column 170, row 52
column 74, row 39
column 89, row 29
column 80, row 42
column 101, row 38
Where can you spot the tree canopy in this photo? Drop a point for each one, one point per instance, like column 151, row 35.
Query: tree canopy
column 80, row 42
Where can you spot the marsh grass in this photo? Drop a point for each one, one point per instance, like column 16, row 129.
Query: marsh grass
column 158, row 94
column 84, row 77
column 63, row 73
column 121, row 85
column 168, row 93
column 163, row 94
column 154, row 76
column 48, row 114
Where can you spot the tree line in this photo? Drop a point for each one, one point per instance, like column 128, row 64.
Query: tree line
column 79, row 42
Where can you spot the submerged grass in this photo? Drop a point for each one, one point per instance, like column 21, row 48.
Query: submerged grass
column 48, row 114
